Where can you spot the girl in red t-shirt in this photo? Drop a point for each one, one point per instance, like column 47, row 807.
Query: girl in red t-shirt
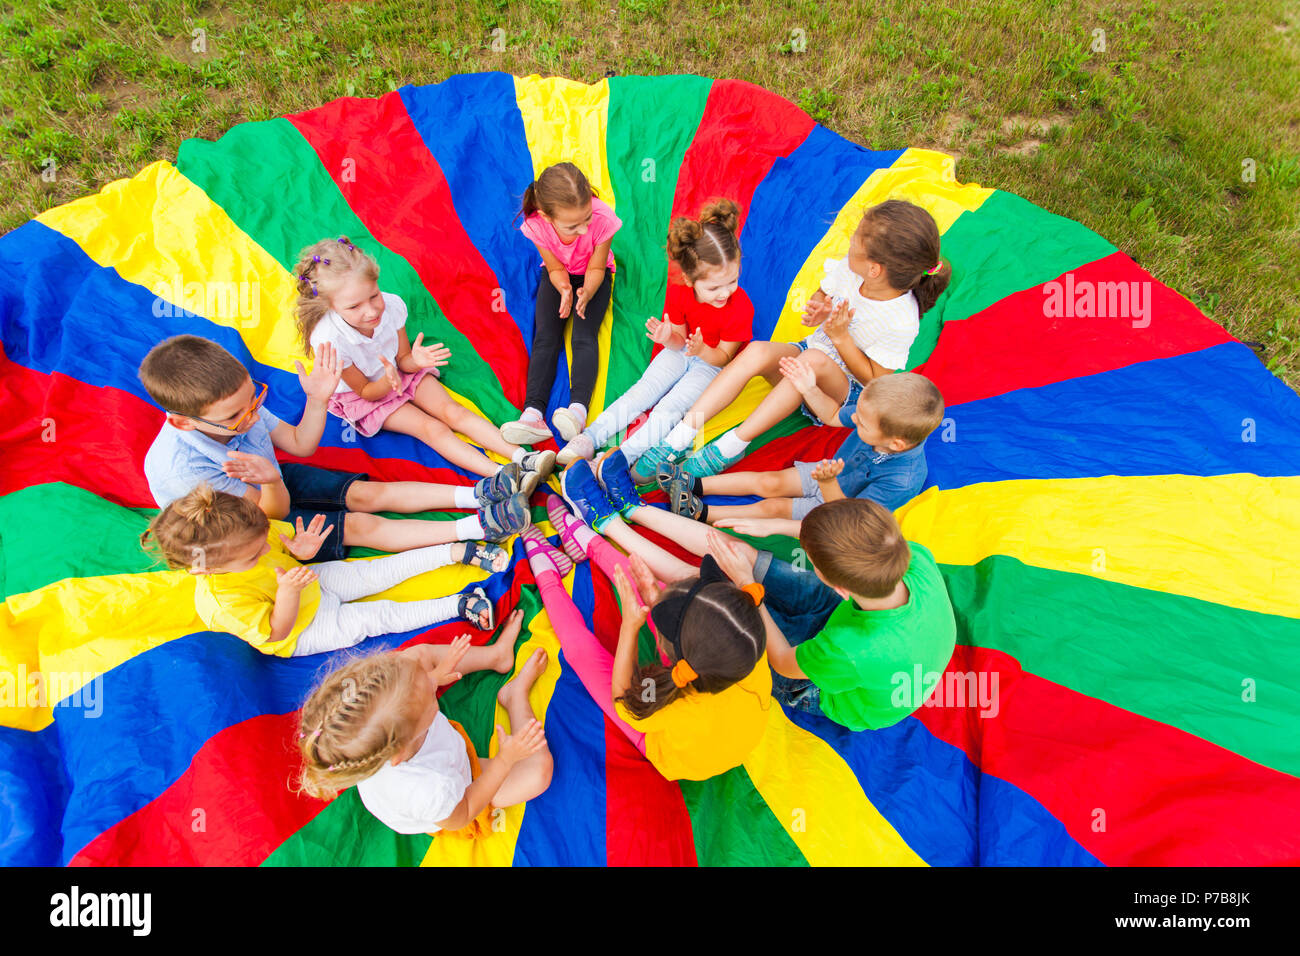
column 707, row 318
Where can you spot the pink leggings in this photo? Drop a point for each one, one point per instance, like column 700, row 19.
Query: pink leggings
column 586, row 655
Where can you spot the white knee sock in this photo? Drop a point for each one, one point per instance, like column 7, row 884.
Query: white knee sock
column 469, row 529
column 731, row 444
column 465, row 497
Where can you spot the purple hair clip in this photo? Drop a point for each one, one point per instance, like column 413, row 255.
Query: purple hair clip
column 319, row 259
column 345, row 241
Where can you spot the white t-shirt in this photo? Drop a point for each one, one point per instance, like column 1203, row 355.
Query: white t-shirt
column 413, row 796
column 883, row 329
column 360, row 350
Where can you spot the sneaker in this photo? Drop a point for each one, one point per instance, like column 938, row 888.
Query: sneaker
column 562, row 563
column 585, row 495
column 680, row 488
column 617, row 483
column 579, row 446
column 569, row 424
column 709, row 461
column 498, row 487
column 563, row 522
column 643, row 472
column 501, row 519
column 536, row 468
column 525, row 431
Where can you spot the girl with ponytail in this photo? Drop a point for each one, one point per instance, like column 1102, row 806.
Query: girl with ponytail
column 251, row 581
column 707, row 318
column 701, row 707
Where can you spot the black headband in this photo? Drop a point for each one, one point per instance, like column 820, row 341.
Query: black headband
column 667, row 615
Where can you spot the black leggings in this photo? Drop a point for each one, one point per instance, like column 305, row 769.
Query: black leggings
column 548, row 341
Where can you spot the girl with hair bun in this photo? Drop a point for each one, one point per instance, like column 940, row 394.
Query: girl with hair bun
column 707, row 318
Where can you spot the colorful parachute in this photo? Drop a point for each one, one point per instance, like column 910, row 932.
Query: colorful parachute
column 1114, row 502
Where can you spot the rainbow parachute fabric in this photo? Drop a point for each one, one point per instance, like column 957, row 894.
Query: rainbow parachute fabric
column 1113, row 500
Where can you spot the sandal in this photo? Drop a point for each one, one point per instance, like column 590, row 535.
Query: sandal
column 682, row 500
column 471, row 607
column 482, row 554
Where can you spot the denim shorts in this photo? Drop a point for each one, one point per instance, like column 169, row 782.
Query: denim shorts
column 855, row 389
column 800, row 605
column 319, row 491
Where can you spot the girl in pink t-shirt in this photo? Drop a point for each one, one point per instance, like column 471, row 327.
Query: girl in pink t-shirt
column 572, row 230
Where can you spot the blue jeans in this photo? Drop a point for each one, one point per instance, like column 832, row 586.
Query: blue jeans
column 314, row 491
column 800, row 604
column 670, row 384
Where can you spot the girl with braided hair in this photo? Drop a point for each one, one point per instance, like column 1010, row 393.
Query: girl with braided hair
column 375, row 723
column 388, row 381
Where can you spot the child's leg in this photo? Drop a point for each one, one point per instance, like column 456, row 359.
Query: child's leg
column 691, row 535
column 548, row 342
column 758, row 358
column 785, row 483
column 396, row 534
column 411, row 420
column 586, row 347
column 660, row 376
column 498, row 656
column 404, row 497
column 431, row 396
column 590, row 661
column 338, row 625
column 531, row 776
column 767, row 508
column 690, row 385
column 352, row 580
column 785, row 398
column 662, row 564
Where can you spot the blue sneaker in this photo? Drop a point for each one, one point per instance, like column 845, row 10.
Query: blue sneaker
column 618, row 484
column 643, row 472
column 501, row 519
column 709, row 461
column 585, row 495
column 504, row 484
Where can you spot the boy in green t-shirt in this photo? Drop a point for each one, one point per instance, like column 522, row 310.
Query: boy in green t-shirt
column 843, row 633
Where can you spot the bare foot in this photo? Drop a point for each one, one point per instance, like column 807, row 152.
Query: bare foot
column 503, row 662
column 523, row 682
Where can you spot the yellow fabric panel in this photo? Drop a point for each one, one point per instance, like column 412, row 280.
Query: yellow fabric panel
column 1160, row 532
column 498, row 849
column 921, row 176
column 78, row 628
column 816, row 797
column 565, row 121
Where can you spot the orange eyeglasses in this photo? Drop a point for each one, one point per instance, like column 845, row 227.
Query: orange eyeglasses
column 257, row 403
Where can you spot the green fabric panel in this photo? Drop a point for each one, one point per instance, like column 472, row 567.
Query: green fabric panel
column 1006, row 246
column 345, row 833
column 650, row 118
column 1167, row 657
column 55, row 531
column 255, row 161
column 741, row 831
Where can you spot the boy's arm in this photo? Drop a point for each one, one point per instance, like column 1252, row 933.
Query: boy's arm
column 264, row 485
column 302, row 439
column 762, row 527
column 779, row 652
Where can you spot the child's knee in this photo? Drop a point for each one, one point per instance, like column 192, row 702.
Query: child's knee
column 770, row 484
column 357, row 523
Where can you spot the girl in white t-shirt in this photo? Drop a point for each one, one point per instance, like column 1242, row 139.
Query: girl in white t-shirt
column 386, row 378
column 375, row 723
column 868, row 310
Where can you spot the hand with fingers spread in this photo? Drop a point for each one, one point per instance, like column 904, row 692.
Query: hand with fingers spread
column 295, row 579
column 799, row 373
column 250, row 469
column 816, row 309
column 694, row 343
column 325, row 373
column 391, row 375
column 828, row 470
column 446, row 672
column 522, row 744
column 306, row 544
column 838, row 322
column 732, row 558
column 658, row 332
column 429, row 356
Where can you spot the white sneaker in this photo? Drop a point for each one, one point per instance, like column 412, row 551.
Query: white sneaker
column 525, row 431
column 580, row 446
column 569, row 424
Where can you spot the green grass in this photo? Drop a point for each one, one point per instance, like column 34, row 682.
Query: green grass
column 1143, row 142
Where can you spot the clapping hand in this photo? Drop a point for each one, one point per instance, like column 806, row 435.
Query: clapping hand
column 658, row 332
column 250, row 469
column 305, row 545
column 325, row 373
column 799, row 373
column 429, row 356
column 391, row 375
column 694, row 343
column 295, row 579
column 827, row 470
column 837, row 326
column 817, row 309
column 732, row 558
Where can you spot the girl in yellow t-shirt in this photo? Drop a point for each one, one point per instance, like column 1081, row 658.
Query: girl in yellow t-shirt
column 702, row 708
column 251, row 581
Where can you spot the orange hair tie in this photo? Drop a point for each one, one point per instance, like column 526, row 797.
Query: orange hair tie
column 755, row 590
column 683, row 673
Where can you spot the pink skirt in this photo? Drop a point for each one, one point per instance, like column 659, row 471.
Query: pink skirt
column 368, row 417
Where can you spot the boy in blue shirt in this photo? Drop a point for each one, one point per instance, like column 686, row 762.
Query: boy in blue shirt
column 217, row 431
column 882, row 461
